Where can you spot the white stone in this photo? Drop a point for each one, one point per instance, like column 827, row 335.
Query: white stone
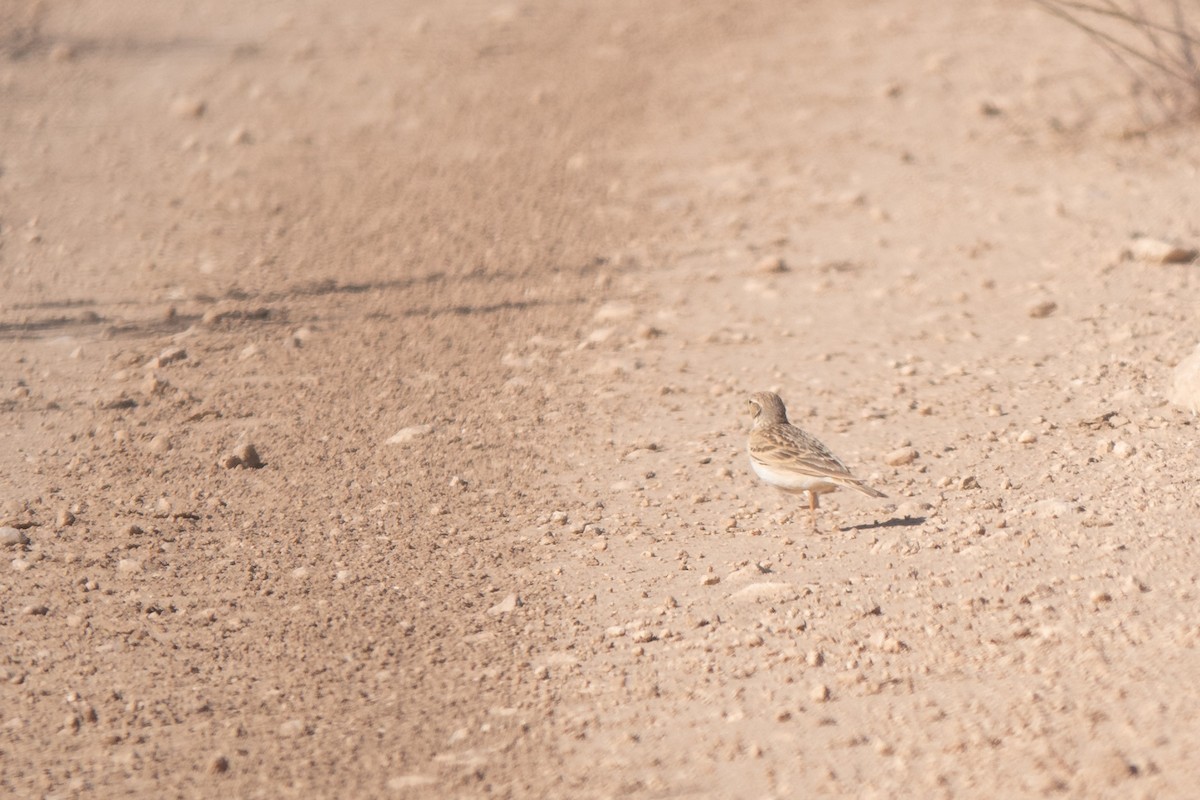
column 1185, row 383
column 411, row 433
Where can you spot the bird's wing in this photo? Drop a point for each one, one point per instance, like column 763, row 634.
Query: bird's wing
column 786, row 447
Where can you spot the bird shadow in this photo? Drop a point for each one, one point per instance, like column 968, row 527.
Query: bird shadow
column 894, row 522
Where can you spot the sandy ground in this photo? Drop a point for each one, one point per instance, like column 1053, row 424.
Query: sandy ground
column 486, row 286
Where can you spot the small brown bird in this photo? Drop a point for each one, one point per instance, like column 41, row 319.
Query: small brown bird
column 791, row 460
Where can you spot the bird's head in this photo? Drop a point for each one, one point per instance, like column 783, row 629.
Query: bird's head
column 766, row 408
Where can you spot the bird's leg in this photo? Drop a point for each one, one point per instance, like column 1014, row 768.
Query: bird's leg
column 812, row 508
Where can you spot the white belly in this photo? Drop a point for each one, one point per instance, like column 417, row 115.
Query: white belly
column 792, row 481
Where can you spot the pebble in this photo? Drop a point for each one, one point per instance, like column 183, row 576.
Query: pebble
column 1027, row 437
column 616, row 310
column 64, row 518
column 1051, row 508
column 1157, row 251
column 291, row 728
column 912, row 508
column 246, row 456
column 160, row 444
column 129, row 565
column 819, row 693
column 814, row 658
column 170, row 356
column 409, row 434
column 240, row 135
column 188, row 107
column 897, row 458
column 218, row 766
column 11, row 537
column 152, row 385
column 769, row 592
column 1185, row 383
column 414, row 781
column 249, row 456
column 1123, row 449
column 1043, row 309
column 771, row 265
column 505, row 606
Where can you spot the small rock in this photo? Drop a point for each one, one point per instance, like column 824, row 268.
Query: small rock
column 171, row 355
column 710, row 580
column 648, row 332
column 912, row 508
column 814, row 658
column 1043, row 309
column 160, row 444
column 411, row 433
column 819, row 693
column 771, row 265
column 11, row 537
column 897, row 458
column 1157, row 251
column 505, row 606
column 402, row 782
column 218, row 766
column 231, row 462
column 1185, row 383
column 129, row 565
column 249, row 456
column 988, row 108
column 1027, row 437
column 240, row 135
column 62, row 52
column 188, row 107
column 291, row 728
column 1123, row 449
column 152, row 385
column 64, row 518
column 1051, row 508
column 610, row 312
column 767, row 592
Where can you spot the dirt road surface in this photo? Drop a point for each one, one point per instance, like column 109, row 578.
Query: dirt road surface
column 486, row 286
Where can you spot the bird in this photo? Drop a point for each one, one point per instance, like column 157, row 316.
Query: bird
column 793, row 461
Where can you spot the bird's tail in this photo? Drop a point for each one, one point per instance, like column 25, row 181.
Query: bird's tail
column 862, row 487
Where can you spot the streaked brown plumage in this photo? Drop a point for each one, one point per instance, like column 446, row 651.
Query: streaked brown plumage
column 793, row 461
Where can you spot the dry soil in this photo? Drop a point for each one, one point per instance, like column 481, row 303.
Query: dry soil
column 486, row 287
